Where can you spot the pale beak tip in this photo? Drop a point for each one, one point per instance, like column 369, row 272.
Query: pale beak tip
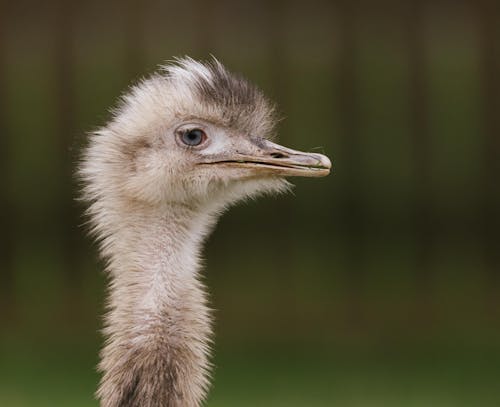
column 325, row 161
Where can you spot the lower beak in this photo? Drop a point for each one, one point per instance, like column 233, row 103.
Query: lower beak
column 273, row 159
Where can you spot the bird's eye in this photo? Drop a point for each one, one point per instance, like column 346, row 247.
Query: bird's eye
column 193, row 137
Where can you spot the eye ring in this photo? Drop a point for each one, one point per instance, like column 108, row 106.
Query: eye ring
column 193, row 137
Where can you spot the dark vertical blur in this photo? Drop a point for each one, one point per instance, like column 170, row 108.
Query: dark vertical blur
column 6, row 211
column 489, row 22
column 353, row 221
column 64, row 24
column 423, row 222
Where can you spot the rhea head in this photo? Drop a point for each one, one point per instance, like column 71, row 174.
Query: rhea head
column 194, row 134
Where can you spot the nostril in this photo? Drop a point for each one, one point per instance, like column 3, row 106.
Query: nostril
column 278, row 155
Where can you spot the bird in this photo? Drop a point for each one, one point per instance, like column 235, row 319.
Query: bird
column 181, row 146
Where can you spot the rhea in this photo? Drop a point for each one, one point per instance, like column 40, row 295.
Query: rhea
column 183, row 145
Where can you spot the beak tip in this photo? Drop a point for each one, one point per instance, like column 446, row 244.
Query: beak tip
column 324, row 162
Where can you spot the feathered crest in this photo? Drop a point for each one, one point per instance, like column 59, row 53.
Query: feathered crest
column 239, row 103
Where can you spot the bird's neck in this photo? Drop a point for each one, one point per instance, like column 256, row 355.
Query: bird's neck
column 158, row 325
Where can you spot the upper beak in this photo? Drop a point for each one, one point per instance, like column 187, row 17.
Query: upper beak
column 268, row 158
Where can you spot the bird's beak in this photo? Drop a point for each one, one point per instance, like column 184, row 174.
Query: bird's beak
column 267, row 158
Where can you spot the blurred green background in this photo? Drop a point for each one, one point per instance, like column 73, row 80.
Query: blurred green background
column 378, row 286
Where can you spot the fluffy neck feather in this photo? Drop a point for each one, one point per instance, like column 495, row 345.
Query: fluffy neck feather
column 158, row 324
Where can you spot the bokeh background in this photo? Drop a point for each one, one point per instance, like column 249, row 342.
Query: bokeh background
column 377, row 286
